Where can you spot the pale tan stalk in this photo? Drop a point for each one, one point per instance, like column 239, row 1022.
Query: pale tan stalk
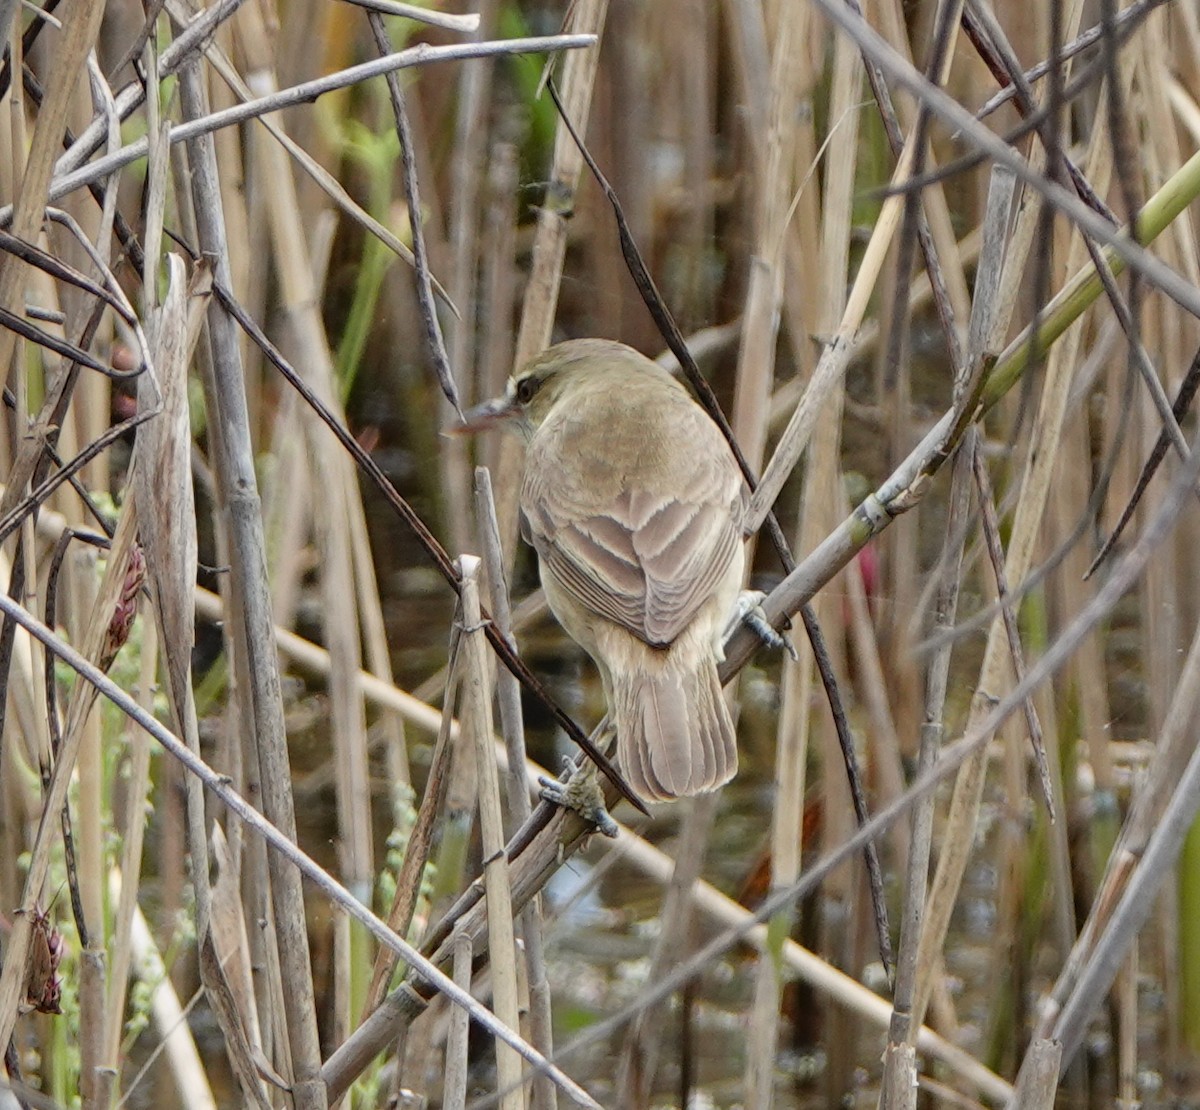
column 499, row 282
column 332, row 471
column 1088, row 661
column 508, row 697
column 288, row 505
column 1128, row 1094
column 764, row 297
column 776, row 144
column 821, row 491
column 872, row 689
column 477, row 705
column 1039, row 1086
column 454, row 1096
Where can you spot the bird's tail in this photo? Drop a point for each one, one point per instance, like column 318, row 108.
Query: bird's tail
column 675, row 737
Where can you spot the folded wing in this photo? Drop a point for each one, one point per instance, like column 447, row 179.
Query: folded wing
column 646, row 561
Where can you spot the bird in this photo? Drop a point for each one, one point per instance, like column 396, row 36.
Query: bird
column 635, row 506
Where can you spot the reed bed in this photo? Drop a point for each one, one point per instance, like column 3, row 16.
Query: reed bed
column 269, row 825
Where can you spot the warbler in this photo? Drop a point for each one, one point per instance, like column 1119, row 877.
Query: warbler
column 634, row 504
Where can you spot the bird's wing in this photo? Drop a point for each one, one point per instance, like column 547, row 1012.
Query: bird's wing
column 640, row 558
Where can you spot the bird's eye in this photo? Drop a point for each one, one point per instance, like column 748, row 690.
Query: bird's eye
column 526, row 388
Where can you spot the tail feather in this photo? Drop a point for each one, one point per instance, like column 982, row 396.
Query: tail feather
column 675, row 737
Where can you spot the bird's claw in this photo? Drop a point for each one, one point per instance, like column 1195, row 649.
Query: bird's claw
column 749, row 611
column 580, row 792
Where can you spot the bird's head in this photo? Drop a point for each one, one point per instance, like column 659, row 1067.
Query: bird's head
column 556, row 374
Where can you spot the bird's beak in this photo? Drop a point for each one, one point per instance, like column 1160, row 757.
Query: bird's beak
column 487, row 415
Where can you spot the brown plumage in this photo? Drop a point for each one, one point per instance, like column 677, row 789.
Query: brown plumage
column 634, row 504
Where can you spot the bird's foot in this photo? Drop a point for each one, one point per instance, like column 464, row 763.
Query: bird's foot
column 579, row 791
column 749, row 611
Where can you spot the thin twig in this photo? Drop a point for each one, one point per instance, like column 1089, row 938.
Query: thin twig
column 991, row 533
column 435, row 344
column 305, row 93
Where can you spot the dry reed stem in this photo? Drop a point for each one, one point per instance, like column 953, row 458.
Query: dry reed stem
column 508, row 698
column 258, row 674
column 755, row 374
column 167, row 527
column 416, row 852
column 454, row 1094
column 932, row 731
column 821, row 496
column 872, row 690
column 205, row 124
column 898, row 1089
column 1039, row 1085
column 464, row 24
column 477, row 720
column 121, row 954
column 1127, row 1029
column 465, row 218
column 980, row 334
column 336, row 525
column 764, row 297
column 1012, row 635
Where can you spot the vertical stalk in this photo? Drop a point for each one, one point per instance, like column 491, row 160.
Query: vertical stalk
column 477, row 720
column 257, row 665
column 508, row 696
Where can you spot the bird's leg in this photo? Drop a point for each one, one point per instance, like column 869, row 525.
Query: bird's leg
column 579, row 790
column 748, row 610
